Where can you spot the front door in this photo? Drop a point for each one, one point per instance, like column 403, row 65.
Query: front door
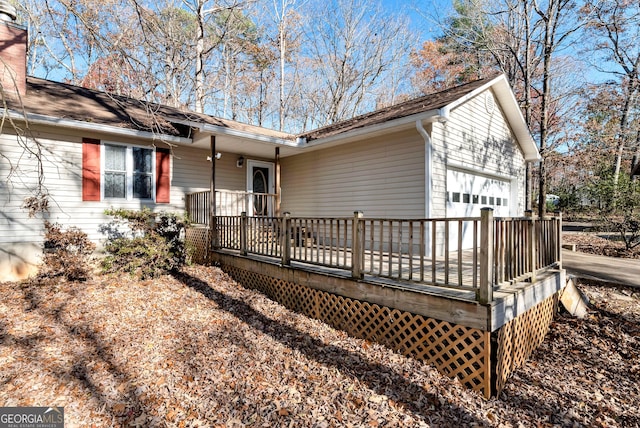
column 260, row 185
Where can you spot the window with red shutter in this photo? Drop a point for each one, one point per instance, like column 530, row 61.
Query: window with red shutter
column 163, row 176
column 90, row 169
column 128, row 172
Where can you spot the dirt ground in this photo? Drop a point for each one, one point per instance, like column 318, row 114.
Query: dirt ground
column 196, row 349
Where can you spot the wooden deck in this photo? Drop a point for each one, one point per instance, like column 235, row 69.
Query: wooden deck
column 392, row 282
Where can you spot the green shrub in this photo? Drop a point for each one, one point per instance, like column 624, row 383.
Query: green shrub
column 154, row 245
column 67, row 254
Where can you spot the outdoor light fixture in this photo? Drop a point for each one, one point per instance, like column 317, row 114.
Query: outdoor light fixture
column 218, row 156
column 240, row 162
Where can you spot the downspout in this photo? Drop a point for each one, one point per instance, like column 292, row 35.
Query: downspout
column 428, row 164
column 428, row 183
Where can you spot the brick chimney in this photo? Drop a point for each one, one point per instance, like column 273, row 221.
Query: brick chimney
column 13, row 51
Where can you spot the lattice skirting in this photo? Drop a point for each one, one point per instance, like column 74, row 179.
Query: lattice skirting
column 197, row 239
column 455, row 350
column 514, row 342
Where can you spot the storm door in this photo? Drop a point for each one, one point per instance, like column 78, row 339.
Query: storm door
column 261, row 189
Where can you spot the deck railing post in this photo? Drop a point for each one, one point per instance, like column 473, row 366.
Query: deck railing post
column 243, row 233
column 533, row 259
column 356, row 245
column 559, row 238
column 286, row 239
column 485, row 291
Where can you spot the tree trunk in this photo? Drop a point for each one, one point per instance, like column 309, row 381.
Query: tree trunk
column 199, row 78
column 527, row 98
column 622, row 135
column 283, row 51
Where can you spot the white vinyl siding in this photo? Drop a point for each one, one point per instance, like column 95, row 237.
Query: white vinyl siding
column 383, row 177
column 475, row 140
column 21, row 237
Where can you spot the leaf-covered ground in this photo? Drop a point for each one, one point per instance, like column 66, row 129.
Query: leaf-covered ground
column 600, row 244
column 196, row 349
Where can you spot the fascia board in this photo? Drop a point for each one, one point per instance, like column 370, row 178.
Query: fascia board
column 374, row 129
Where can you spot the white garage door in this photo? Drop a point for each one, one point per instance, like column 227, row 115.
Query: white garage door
column 467, row 193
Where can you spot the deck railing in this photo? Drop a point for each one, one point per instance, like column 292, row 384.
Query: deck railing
column 228, row 203
column 476, row 254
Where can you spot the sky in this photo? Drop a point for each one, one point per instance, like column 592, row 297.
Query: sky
column 424, row 14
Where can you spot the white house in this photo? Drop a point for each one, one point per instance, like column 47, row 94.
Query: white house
column 444, row 154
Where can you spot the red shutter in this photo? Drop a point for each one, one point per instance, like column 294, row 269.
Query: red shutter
column 163, row 176
column 90, row 169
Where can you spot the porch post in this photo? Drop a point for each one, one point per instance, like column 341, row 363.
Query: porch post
column 277, row 183
column 485, row 292
column 356, row 245
column 213, row 226
column 559, row 238
column 533, row 259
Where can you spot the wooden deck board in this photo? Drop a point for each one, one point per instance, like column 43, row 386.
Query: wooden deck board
column 465, row 292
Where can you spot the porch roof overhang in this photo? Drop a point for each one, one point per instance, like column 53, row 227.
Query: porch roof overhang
column 260, row 145
column 258, row 142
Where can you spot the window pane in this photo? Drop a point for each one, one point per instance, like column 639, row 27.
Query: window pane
column 115, row 158
column 466, row 198
column 142, row 160
column 456, row 197
column 484, row 199
column 475, row 199
column 491, row 200
column 115, row 185
column 142, row 186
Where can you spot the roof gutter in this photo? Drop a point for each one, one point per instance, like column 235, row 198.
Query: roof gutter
column 40, row 119
column 429, row 116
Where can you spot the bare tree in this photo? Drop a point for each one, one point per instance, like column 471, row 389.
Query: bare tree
column 204, row 11
column 350, row 50
column 616, row 25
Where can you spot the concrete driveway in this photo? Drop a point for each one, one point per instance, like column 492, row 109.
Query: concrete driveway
column 608, row 269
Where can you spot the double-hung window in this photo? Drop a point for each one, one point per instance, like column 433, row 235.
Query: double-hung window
column 128, row 172
column 114, row 171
